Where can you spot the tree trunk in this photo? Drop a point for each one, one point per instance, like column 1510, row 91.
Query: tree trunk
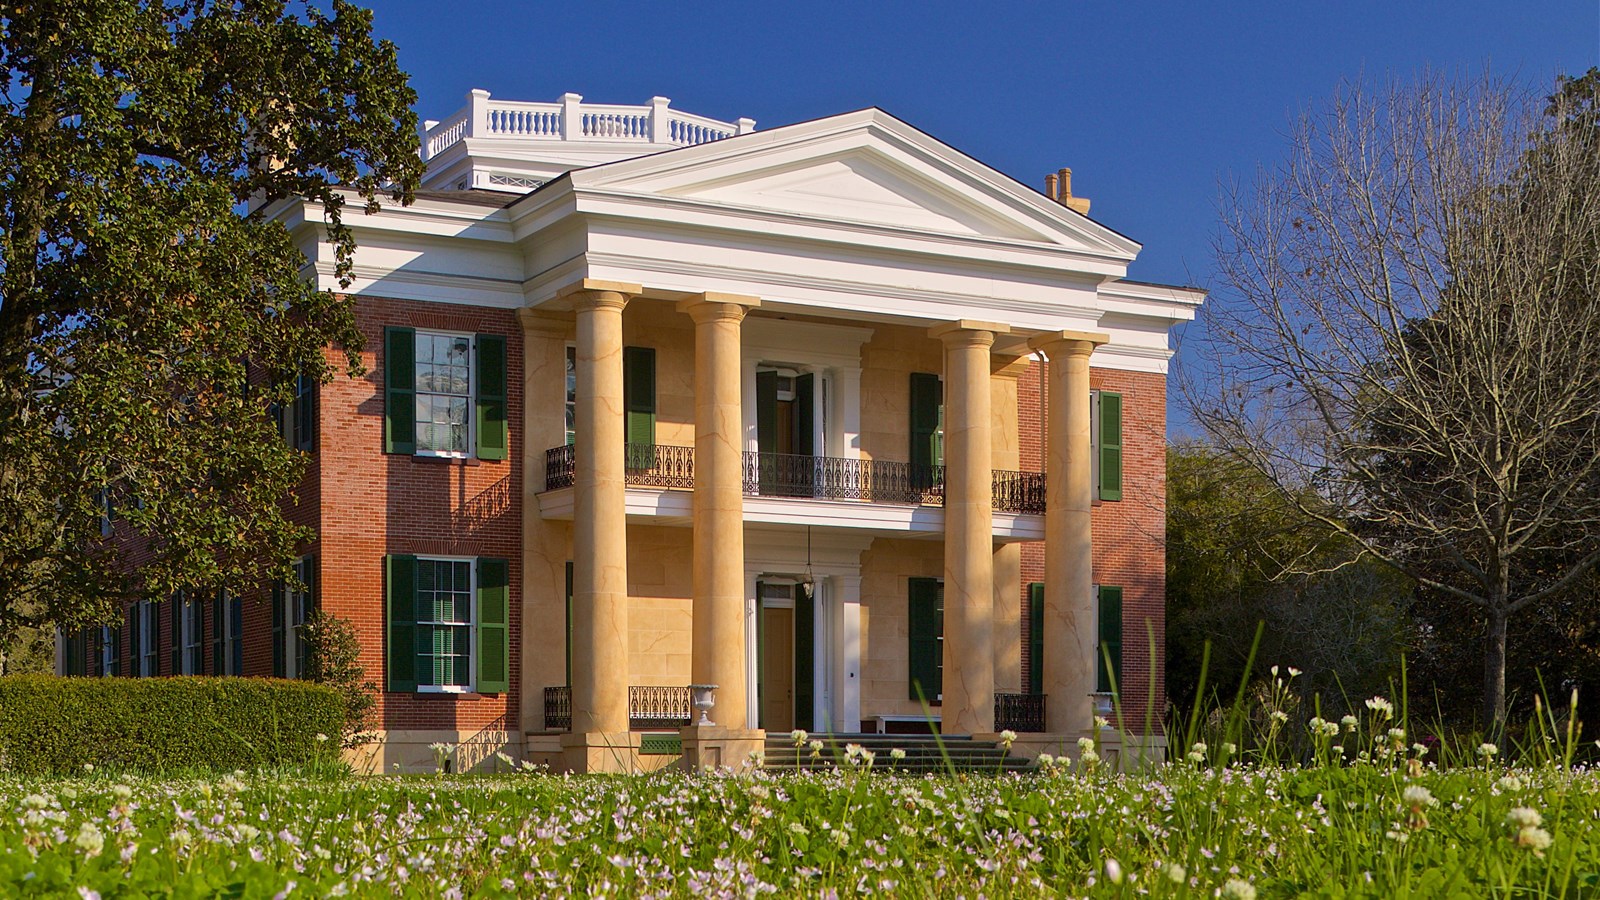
column 1494, row 673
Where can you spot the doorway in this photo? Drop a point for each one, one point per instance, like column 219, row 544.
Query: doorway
column 785, row 656
column 785, row 415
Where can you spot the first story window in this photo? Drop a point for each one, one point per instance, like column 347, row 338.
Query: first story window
column 925, row 621
column 1108, row 613
column 448, row 624
column 227, row 632
column 110, row 650
column 292, row 606
column 144, row 617
column 188, row 646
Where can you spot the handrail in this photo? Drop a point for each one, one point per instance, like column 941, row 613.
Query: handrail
column 800, row 476
column 1019, row 712
column 650, row 707
column 570, row 119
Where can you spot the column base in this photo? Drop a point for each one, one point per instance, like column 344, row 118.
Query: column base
column 712, row 747
column 601, row 751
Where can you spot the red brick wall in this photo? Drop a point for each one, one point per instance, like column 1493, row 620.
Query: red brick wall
column 377, row 504
column 1129, row 534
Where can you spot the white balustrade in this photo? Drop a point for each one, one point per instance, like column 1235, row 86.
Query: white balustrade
column 655, row 123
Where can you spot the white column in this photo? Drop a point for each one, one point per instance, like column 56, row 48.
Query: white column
column 847, row 658
column 847, row 415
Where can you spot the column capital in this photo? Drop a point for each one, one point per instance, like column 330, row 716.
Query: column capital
column 594, row 293
column 543, row 322
column 968, row 332
column 1068, row 343
column 711, row 306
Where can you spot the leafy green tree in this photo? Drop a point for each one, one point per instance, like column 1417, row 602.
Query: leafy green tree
column 151, row 310
column 333, row 658
column 1239, row 554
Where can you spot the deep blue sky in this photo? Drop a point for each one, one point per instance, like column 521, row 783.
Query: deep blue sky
column 1149, row 103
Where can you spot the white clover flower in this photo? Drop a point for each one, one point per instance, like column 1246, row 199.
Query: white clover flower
column 1086, row 745
column 1315, row 725
column 1420, row 750
column 121, row 793
column 1337, row 749
column 1510, row 784
column 1088, row 759
column 799, row 829
column 34, row 801
column 1199, row 747
column 89, row 839
column 1523, row 817
column 1415, row 795
column 1008, row 737
column 1196, row 756
column 1536, row 839
column 1103, row 722
column 322, row 738
column 897, row 754
column 1175, row 873
column 1487, row 750
column 1234, row 889
column 1229, row 748
column 1382, row 707
column 1113, row 871
column 88, row 767
column 1046, row 760
column 1398, row 735
column 1350, row 723
column 1279, row 716
column 798, row 736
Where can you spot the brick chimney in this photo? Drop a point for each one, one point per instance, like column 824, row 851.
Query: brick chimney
column 1058, row 187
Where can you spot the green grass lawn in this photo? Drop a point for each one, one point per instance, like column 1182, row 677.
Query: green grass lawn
column 1381, row 828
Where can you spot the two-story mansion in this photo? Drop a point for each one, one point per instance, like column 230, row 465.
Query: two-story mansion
column 831, row 416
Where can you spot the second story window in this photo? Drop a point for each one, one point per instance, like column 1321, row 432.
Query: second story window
column 445, row 394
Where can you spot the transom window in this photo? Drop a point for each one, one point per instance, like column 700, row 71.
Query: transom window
column 444, row 393
column 444, row 623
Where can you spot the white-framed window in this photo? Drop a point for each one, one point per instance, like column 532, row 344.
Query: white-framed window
column 108, row 649
column 445, row 616
column 191, row 633
column 572, row 393
column 229, row 647
column 297, row 608
column 444, row 393
column 146, row 622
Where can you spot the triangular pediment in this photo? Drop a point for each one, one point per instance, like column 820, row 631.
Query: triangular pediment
column 865, row 168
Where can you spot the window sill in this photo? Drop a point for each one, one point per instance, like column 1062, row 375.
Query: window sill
column 453, row 695
column 447, row 460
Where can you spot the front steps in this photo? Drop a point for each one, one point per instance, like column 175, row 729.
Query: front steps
column 923, row 753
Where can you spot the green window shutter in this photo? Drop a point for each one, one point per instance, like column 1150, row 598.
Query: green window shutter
column 494, row 625
column 399, row 390
column 568, row 623
column 402, row 603
column 1110, row 639
column 305, row 413
column 236, row 634
column 639, row 394
column 805, row 668
column 491, row 399
column 1036, row 638
column 219, row 634
column 925, row 624
column 73, row 644
column 279, row 598
column 927, row 414
column 767, row 411
column 805, row 399
column 175, row 606
column 1110, row 446
column 130, row 667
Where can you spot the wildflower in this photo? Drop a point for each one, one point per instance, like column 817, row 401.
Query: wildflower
column 1420, row 750
column 122, row 793
column 1085, row 745
column 1046, row 761
column 1382, row 707
column 1523, row 817
column 1510, row 784
column 867, row 756
column 1487, row 750
column 89, row 839
column 1349, row 723
column 1399, row 837
column 799, row 829
column 181, row 837
column 798, row 736
column 1279, row 716
column 1113, row 871
column 1416, row 795
column 1315, row 725
column 1103, row 722
column 1413, row 768
column 34, row 801
column 1175, row 873
column 87, row 894
column 1293, row 672
column 897, row 754
column 1234, row 889
column 1229, row 748
column 1195, row 756
column 1536, row 839
column 322, row 738
column 1007, row 738
column 88, row 767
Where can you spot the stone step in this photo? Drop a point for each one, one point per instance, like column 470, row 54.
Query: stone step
column 923, row 753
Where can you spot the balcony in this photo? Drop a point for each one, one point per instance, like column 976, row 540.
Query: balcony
column 780, row 475
column 572, row 120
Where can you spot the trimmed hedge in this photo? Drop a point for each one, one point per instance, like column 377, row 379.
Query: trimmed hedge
column 51, row 725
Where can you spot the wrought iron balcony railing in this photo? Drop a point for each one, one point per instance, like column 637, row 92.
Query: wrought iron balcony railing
column 814, row 477
column 1019, row 712
column 649, row 708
